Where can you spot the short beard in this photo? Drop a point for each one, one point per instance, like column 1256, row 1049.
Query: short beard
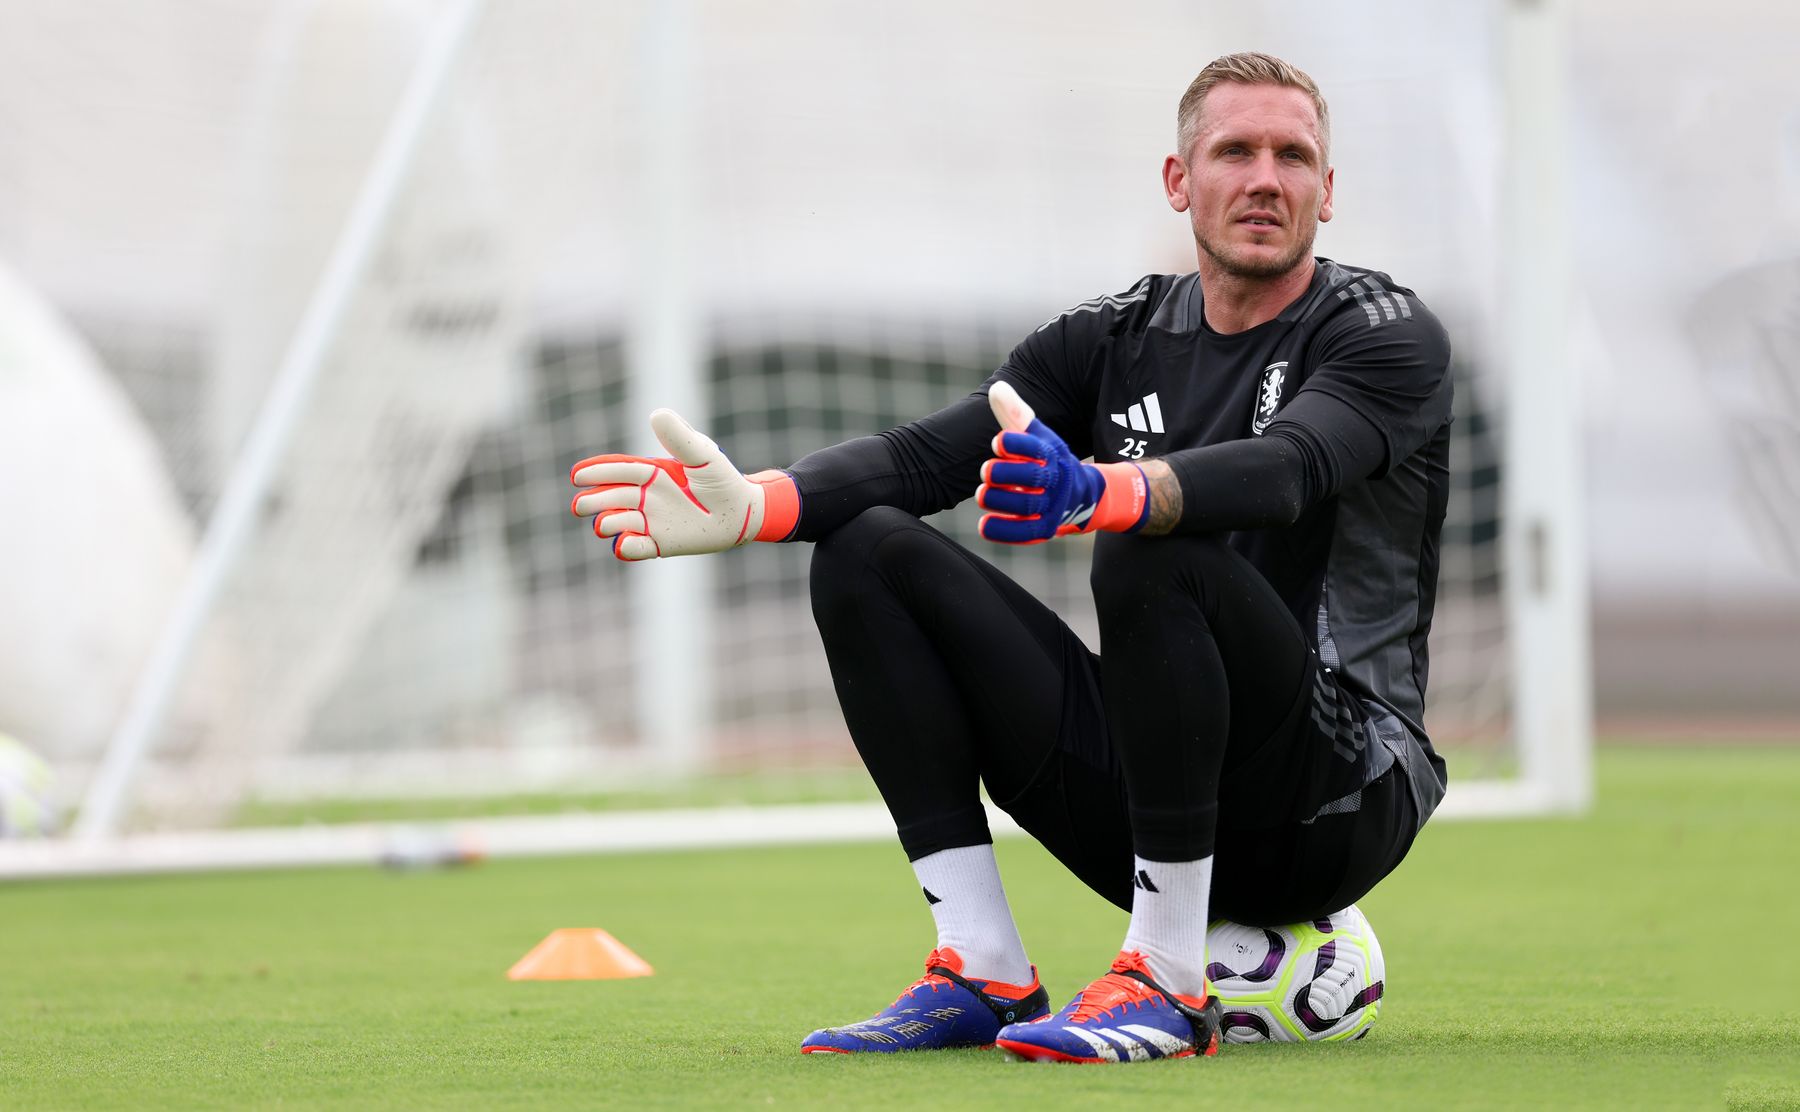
column 1238, row 268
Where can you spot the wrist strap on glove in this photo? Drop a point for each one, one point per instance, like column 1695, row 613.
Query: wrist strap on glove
column 781, row 505
column 1124, row 505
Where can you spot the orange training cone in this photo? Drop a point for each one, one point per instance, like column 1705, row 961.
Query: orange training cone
column 578, row 954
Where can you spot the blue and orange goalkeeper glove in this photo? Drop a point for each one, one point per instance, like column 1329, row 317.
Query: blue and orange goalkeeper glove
column 1034, row 488
column 695, row 502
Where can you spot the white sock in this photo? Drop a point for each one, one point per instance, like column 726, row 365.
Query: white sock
column 973, row 918
column 1168, row 921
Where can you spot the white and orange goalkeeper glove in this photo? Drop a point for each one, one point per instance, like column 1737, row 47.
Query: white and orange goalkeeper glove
column 1034, row 488
column 693, row 503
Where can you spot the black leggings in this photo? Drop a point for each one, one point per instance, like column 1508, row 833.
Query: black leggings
column 1190, row 734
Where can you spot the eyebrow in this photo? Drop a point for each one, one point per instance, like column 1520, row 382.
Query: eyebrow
column 1309, row 146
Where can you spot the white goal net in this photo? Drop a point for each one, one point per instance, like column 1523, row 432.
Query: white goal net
column 801, row 222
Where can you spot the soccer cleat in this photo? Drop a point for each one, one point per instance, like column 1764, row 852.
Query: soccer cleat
column 942, row 1009
column 1124, row 1016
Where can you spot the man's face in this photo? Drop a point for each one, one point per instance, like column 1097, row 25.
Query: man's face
column 1255, row 185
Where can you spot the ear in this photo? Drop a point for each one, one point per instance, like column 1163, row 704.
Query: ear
column 1174, row 177
column 1325, row 204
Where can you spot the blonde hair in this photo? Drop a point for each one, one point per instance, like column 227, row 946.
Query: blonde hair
column 1246, row 68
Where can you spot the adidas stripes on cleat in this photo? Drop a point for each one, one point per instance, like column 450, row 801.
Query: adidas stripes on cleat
column 942, row 1009
column 1124, row 1016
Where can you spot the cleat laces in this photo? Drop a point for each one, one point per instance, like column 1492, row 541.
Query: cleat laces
column 939, row 959
column 1130, row 982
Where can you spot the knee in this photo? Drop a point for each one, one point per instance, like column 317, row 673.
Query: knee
column 843, row 559
column 858, row 541
column 1132, row 571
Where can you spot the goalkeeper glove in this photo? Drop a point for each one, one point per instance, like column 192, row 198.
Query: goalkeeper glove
column 1036, row 489
column 696, row 502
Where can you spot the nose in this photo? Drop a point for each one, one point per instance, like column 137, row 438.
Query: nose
column 1264, row 179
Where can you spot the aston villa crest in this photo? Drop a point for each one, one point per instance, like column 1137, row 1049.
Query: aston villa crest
column 1268, row 397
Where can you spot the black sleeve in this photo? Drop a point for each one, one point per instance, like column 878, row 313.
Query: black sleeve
column 935, row 462
column 1376, row 394
column 1395, row 373
column 922, row 467
column 1307, row 455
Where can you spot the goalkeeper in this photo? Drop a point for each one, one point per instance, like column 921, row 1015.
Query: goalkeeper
column 1270, row 442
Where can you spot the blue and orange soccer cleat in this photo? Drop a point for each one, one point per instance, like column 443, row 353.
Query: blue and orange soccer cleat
column 942, row 1009
column 1124, row 1016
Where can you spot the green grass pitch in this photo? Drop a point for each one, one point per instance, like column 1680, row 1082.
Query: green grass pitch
column 1646, row 956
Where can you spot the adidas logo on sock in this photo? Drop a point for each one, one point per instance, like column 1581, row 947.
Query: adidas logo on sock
column 1141, row 880
column 1144, row 416
column 929, row 898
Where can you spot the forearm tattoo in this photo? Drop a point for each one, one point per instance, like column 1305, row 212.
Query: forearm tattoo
column 1165, row 498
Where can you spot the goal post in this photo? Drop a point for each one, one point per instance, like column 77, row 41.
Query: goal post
column 1545, row 545
column 665, row 346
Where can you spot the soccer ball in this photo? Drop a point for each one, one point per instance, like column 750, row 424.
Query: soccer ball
column 26, row 809
column 1316, row 981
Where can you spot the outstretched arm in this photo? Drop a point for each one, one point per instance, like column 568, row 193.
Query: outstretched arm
column 695, row 501
column 649, row 507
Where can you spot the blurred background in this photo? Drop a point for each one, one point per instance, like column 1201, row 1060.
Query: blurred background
column 796, row 222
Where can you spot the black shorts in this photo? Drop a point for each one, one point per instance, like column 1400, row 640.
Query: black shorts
column 1264, row 877
column 1299, row 835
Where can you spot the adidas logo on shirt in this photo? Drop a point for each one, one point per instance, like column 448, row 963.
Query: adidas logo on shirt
column 1144, row 416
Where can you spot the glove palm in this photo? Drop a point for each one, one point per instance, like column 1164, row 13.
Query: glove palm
column 696, row 501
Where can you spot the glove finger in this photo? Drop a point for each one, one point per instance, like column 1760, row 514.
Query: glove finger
column 595, row 499
column 614, row 522
column 1001, row 451
column 632, row 547
column 1007, row 473
column 1013, row 503
column 1011, row 410
column 1021, row 446
column 682, row 440
column 1006, row 529
column 607, row 470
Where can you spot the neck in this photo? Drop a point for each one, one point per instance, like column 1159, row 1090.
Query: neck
column 1235, row 303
